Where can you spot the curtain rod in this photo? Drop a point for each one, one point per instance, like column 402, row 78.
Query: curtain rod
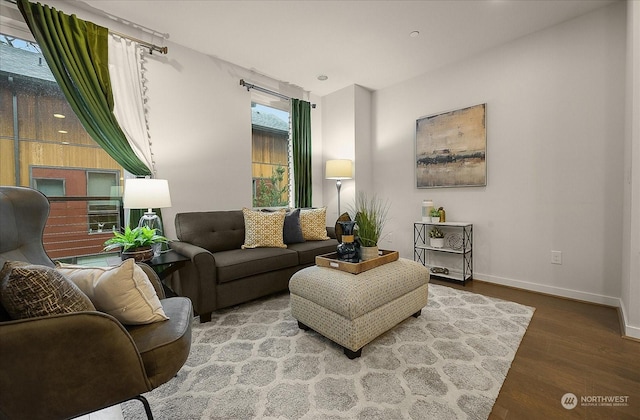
column 152, row 47
column 267, row 91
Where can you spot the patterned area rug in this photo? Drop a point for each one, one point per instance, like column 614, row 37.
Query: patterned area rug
column 252, row 361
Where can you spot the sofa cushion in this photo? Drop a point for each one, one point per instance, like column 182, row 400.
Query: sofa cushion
column 307, row 251
column 29, row 291
column 123, row 291
column 313, row 223
column 164, row 346
column 292, row 232
column 262, row 229
column 236, row 264
column 212, row 230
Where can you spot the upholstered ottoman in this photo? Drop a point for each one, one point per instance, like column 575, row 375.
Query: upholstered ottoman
column 353, row 309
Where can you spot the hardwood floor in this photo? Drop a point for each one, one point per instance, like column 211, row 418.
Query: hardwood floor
column 569, row 347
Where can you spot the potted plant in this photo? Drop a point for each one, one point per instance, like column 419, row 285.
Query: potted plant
column 370, row 216
column 436, row 238
column 135, row 243
column 435, row 215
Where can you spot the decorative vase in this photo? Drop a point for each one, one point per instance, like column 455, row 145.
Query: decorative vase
column 139, row 254
column 346, row 249
column 436, row 242
column 369, row 252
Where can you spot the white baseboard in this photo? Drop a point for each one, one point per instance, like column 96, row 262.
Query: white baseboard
column 629, row 331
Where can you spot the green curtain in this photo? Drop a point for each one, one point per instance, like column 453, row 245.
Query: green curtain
column 77, row 54
column 301, row 138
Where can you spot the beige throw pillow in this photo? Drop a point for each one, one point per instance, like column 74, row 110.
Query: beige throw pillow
column 29, row 291
column 313, row 223
column 123, row 291
column 263, row 229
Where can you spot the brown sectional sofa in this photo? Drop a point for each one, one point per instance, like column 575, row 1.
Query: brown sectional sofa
column 221, row 274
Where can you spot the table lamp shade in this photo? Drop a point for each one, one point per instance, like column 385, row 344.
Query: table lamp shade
column 339, row 169
column 146, row 193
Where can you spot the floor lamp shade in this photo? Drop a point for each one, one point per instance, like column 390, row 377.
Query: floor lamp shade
column 339, row 169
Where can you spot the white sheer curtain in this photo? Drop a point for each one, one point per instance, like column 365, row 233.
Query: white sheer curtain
column 127, row 84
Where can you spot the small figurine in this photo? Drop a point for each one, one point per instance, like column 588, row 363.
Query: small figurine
column 443, row 215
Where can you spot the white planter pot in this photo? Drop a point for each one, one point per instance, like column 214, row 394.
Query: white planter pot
column 369, row 252
column 436, row 242
column 435, row 219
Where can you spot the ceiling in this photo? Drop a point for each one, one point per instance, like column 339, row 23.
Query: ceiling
column 367, row 43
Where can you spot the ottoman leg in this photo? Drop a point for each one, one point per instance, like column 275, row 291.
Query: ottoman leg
column 302, row 326
column 352, row 354
column 417, row 314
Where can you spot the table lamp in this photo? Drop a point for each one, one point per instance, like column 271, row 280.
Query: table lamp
column 147, row 193
column 339, row 169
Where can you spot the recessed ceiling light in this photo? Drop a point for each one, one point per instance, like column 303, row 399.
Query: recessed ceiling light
column 414, row 34
column 62, row 131
column 323, row 77
column 59, row 116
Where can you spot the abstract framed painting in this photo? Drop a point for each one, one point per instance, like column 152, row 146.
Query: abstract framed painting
column 451, row 148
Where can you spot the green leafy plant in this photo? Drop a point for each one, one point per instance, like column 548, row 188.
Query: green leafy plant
column 134, row 238
column 436, row 233
column 370, row 216
column 269, row 193
column 434, row 212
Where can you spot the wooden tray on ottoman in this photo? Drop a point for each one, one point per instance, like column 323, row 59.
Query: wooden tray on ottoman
column 332, row 261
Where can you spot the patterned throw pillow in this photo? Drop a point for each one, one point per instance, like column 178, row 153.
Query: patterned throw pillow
column 123, row 291
column 263, row 229
column 313, row 223
column 29, row 291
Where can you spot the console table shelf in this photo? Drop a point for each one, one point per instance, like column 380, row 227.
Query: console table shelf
column 455, row 259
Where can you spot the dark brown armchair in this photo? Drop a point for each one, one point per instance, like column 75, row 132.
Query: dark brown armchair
column 63, row 366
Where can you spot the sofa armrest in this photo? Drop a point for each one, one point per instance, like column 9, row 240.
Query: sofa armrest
column 64, row 365
column 198, row 277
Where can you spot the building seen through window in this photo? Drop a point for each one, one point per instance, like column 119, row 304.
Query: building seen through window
column 43, row 145
column 270, row 154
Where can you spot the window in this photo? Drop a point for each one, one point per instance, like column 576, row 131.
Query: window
column 43, row 145
column 49, row 186
column 270, row 154
column 103, row 215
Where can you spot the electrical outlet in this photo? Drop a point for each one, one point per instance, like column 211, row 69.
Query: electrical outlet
column 556, row 257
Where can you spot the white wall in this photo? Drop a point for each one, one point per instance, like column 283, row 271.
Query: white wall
column 347, row 134
column 200, row 119
column 631, row 230
column 338, row 142
column 555, row 127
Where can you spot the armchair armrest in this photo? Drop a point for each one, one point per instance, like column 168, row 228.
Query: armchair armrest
column 198, row 278
column 86, row 357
